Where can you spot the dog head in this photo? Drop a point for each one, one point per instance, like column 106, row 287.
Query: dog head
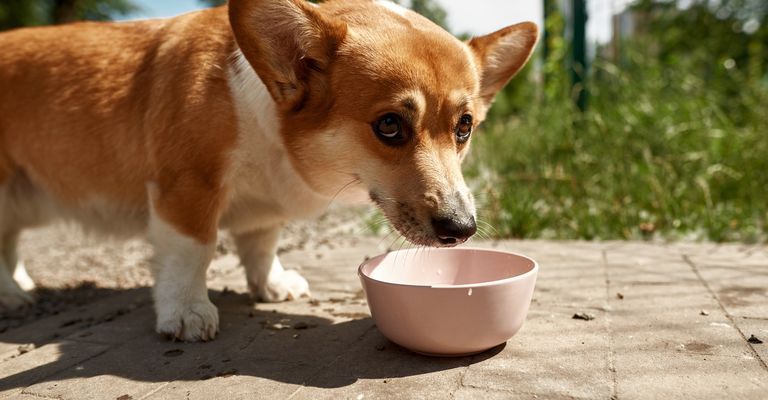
column 376, row 101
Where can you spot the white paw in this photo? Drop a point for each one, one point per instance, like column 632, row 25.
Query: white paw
column 12, row 298
column 282, row 286
column 190, row 322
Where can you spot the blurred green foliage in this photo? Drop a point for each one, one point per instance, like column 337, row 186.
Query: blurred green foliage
column 431, row 10
column 674, row 144
column 19, row 13
column 212, row 3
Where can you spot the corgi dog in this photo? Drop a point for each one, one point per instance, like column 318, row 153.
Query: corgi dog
column 241, row 118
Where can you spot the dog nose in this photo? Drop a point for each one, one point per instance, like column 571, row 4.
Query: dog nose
column 452, row 230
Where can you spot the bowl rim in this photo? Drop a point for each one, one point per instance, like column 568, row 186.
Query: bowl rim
column 497, row 282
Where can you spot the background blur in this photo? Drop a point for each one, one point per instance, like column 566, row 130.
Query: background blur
column 635, row 119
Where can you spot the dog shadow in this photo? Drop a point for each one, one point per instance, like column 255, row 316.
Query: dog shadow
column 294, row 346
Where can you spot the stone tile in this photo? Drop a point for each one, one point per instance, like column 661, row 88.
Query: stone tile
column 228, row 387
column 730, row 254
column 376, row 368
column 470, row 393
column 688, row 376
column 426, row 387
column 653, row 343
column 575, row 284
column 555, row 252
column 673, row 334
column 51, row 328
column 38, row 365
column 140, row 322
column 741, row 289
column 270, row 363
column 660, row 336
column 549, row 356
column 135, row 369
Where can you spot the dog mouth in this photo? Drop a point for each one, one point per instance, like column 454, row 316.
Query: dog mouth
column 405, row 220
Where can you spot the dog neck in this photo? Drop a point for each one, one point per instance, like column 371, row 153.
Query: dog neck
column 265, row 184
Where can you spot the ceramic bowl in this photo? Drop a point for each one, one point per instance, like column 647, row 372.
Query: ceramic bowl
column 450, row 301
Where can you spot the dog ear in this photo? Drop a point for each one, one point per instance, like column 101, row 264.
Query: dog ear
column 501, row 55
column 289, row 44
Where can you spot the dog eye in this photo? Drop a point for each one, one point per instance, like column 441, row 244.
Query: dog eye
column 464, row 128
column 389, row 129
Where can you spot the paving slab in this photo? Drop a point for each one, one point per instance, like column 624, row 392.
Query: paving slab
column 671, row 320
column 19, row 373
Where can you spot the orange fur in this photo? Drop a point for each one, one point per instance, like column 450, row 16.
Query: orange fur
column 95, row 109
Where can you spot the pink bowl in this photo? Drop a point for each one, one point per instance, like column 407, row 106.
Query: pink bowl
column 451, row 301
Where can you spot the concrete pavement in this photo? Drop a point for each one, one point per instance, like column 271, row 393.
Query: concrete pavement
column 671, row 321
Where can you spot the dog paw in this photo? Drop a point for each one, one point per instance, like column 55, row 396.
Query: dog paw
column 13, row 299
column 188, row 322
column 286, row 285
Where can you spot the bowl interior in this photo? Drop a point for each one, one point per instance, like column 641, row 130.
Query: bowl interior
column 446, row 267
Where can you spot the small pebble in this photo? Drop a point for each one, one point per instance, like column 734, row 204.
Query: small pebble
column 300, row 325
column 754, row 340
column 295, row 335
column 704, row 313
column 583, row 316
column 620, row 296
column 380, row 347
column 276, row 326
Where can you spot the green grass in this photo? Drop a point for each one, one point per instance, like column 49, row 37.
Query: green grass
column 660, row 152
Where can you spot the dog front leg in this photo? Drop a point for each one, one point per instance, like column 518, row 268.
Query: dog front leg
column 267, row 279
column 179, row 265
column 181, row 297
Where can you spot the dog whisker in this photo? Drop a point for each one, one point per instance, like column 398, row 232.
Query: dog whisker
column 344, row 187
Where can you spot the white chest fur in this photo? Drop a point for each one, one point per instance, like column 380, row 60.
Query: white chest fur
column 265, row 189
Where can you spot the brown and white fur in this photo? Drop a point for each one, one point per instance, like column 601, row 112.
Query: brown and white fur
column 241, row 118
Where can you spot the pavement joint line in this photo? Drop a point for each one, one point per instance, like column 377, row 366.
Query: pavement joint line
column 725, row 311
column 155, row 390
column 38, row 395
column 537, row 395
column 461, row 381
column 754, row 318
column 695, row 354
column 607, row 319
